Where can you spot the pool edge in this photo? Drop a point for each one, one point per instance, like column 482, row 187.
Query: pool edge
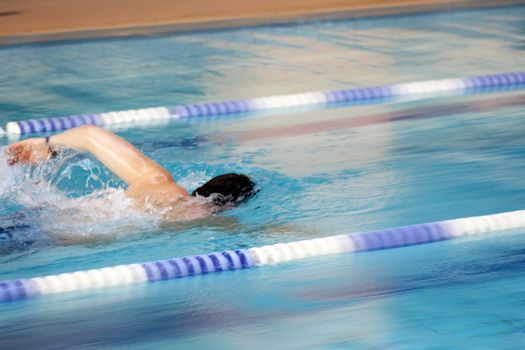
column 247, row 20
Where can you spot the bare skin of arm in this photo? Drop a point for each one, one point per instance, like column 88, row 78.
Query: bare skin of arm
column 147, row 180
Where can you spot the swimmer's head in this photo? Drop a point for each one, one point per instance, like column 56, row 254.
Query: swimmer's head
column 227, row 189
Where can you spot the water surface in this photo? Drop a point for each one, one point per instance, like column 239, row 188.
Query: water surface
column 320, row 173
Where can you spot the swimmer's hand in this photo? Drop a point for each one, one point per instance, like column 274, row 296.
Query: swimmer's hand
column 29, row 151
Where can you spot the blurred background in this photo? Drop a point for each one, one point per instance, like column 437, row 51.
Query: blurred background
column 321, row 172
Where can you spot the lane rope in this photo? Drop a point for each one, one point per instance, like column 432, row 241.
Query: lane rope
column 211, row 109
column 231, row 260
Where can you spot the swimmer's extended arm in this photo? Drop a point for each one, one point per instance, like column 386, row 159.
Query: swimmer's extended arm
column 122, row 158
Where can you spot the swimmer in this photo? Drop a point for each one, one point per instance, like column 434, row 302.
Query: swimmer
column 151, row 188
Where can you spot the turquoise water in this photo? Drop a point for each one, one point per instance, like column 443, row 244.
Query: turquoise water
column 320, row 173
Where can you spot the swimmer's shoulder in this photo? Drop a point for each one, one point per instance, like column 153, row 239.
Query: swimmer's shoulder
column 155, row 187
column 165, row 198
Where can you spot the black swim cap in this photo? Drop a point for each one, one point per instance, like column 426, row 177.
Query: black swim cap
column 227, row 189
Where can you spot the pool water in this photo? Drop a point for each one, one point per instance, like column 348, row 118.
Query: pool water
column 320, row 172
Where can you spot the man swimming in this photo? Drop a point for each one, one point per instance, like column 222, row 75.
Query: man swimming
column 150, row 186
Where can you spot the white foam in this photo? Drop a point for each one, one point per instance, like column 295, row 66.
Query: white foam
column 106, row 213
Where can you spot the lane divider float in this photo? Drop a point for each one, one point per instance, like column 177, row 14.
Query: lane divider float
column 259, row 256
column 210, row 109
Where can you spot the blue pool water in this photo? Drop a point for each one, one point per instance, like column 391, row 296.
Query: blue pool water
column 320, row 173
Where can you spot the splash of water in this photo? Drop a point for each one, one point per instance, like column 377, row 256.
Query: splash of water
column 33, row 202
